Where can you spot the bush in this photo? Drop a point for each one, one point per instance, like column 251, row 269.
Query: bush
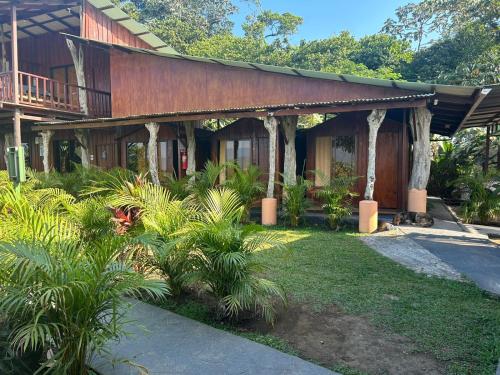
column 61, row 293
column 225, row 258
column 483, row 191
column 295, row 200
column 337, row 199
column 246, row 182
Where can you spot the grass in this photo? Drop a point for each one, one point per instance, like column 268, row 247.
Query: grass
column 456, row 322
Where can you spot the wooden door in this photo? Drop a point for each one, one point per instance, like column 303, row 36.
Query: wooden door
column 263, row 157
column 387, row 169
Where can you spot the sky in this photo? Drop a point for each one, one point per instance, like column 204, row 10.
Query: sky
column 322, row 18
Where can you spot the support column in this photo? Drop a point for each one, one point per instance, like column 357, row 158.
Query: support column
column 368, row 208
column 486, row 163
column 46, row 137
column 290, row 164
column 270, row 204
column 83, row 138
column 15, row 77
column 420, row 124
column 78, row 61
column 8, row 142
column 189, row 127
column 153, row 129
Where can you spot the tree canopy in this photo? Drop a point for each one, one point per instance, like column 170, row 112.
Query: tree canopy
column 438, row 41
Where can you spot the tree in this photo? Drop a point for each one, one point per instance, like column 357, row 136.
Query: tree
column 272, row 26
column 383, row 51
column 182, row 22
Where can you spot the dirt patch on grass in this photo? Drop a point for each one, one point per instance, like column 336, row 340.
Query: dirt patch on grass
column 332, row 337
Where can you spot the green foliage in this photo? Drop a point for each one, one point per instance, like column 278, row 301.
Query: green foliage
column 483, row 203
column 246, row 182
column 226, row 256
column 337, row 196
column 60, row 291
column 178, row 187
column 205, row 180
column 295, row 200
column 444, row 170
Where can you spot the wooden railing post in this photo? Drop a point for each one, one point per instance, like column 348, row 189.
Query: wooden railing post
column 15, row 69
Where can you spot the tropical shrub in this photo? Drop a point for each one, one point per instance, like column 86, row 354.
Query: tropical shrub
column 61, row 294
column 337, row 197
column 246, row 182
column 205, row 180
column 483, row 191
column 225, row 258
column 295, row 200
column 444, row 170
column 178, row 187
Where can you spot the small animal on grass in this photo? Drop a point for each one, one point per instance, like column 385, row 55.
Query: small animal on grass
column 421, row 219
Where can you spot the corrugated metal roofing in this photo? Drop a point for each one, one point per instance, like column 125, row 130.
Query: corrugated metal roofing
column 464, row 91
column 136, row 28
column 256, row 109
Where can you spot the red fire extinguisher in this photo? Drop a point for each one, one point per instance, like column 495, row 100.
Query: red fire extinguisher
column 184, row 160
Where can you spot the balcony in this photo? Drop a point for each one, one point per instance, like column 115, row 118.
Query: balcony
column 44, row 93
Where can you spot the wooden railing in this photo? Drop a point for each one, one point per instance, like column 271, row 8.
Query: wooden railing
column 39, row 91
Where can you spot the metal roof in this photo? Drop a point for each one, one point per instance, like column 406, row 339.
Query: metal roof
column 464, row 91
column 138, row 29
column 38, row 17
column 259, row 111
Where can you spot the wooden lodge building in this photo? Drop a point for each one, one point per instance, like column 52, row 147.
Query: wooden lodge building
column 83, row 82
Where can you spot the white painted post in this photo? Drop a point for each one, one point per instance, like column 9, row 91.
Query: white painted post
column 375, row 119
column 190, row 126
column 78, row 61
column 271, row 124
column 153, row 129
column 368, row 208
column 83, row 138
column 290, row 163
column 46, row 137
column 420, row 124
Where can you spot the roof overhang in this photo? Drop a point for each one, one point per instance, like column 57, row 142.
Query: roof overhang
column 409, row 101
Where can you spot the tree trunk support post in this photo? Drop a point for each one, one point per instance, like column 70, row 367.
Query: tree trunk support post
column 78, row 61
column 289, row 124
column 270, row 203
column 46, row 137
column 368, row 208
column 83, row 138
column 189, row 127
column 486, row 164
column 153, row 129
column 420, row 124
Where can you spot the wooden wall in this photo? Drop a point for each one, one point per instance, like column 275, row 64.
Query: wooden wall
column 150, row 84
column 392, row 165
column 253, row 130
column 96, row 25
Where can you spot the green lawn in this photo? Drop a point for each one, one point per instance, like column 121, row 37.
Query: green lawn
column 455, row 321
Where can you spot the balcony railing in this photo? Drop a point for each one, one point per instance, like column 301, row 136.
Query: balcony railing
column 43, row 92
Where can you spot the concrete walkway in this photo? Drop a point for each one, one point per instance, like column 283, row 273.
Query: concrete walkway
column 166, row 343
column 446, row 243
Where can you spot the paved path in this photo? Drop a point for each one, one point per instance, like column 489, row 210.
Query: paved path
column 444, row 249
column 166, row 343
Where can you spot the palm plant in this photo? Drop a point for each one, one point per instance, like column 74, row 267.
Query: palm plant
column 246, row 182
column 337, row 197
column 205, row 179
column 295, row 200
column 225, row 258
column 484, row 196
column 178, row 187
column 67, row 296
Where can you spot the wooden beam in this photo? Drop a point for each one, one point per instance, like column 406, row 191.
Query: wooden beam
column 109, row 123
column 478, row 99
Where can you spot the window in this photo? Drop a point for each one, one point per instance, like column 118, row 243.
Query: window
column 136, row 157
column 163, row 157
column 343, row 155
column 240, row 152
